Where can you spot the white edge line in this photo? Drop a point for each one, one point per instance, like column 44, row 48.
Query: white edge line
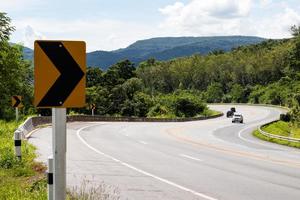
column 254, row 142
column 190, row 157
column 139, row 170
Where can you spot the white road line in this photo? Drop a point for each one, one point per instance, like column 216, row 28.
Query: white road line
column 142, row 171
column 142, row 142
column 190, row 157
column 254, row 142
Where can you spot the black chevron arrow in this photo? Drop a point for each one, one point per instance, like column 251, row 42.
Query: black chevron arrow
column 70, row 73
column 18, row 101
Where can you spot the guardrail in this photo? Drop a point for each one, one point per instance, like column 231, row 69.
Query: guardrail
column 32, row 122
column 289, row 139
column 251, row 104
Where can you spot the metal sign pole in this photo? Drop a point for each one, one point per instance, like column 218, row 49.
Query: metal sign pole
column 59, row 141
column 92, row 112
column 17, row 114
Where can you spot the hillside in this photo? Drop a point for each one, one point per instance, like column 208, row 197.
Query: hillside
column 27, row 53
column 168, row 48
column 164, row 48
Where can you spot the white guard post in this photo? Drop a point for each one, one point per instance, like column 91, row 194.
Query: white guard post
column 59, row 141
column 18, row 143
column 50, row 178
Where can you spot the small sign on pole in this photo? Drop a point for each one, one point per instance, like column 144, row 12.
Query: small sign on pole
column 93, row 108
column 16, row 102
column 59, row 84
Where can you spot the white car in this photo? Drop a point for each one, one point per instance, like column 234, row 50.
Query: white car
column 237, row 117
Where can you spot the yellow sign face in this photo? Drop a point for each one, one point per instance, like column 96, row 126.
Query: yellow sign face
column 59, row 73
column 16, row 101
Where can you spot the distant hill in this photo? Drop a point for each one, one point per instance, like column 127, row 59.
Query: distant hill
column 163, row 48
column 27, row 53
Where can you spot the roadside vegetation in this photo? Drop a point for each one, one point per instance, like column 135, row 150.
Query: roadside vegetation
column 285, row 128
column 277, row 141
column 19, row 179
column 282, row 128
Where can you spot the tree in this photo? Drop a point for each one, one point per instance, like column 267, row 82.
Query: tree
column 188, row 106
column 15, row 73
column 5, row 28
column 295, row 55
column 94, row 76
column 119, row 73
column 131, row 86
column 214, row 93
column 295, row 30
column 237, row 93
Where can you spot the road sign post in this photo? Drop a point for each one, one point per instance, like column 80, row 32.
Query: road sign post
column 17, row 114
column 93, row 109
column 16, row 103
column 59, row 141
column 59, row 83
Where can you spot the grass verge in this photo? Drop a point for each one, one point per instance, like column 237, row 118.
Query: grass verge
column 26, row 179
column 211, row 113
column 23, row 179
column 257, row 134
column 283, row 129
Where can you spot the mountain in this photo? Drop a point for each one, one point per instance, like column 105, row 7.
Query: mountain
column 164, row 48
column 27, row 53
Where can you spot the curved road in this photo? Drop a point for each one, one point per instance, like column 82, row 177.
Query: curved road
column 210, row 159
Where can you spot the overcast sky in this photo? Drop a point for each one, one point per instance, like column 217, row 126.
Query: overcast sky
column 113, row 24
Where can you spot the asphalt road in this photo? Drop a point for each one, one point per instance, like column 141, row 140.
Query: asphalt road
column 210, row 159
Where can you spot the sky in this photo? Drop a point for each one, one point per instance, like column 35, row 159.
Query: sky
column 114, row 24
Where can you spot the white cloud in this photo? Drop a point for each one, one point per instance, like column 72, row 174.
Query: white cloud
column 228, row 17
column 30, row 35
column 265, row 3
column 264, row 18
column 17, row 4
column 277, row 26
column 205, row 17
column 98, row 34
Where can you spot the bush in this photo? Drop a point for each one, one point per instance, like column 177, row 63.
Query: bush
column 159, row 110
column 179, row 104
column 188, row 107
column 285, row 117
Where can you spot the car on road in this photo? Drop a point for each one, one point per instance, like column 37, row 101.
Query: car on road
column 238, row 117
column 230, row 112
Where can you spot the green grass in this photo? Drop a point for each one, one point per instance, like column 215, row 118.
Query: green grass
column 209, row 113
column 277, row 141
column 295, row 132
column 282, row 128
column 23, row 179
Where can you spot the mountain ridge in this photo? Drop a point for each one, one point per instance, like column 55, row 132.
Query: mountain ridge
column 163, row 48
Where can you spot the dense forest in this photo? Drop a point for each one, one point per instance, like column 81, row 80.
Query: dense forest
column 268, row 72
